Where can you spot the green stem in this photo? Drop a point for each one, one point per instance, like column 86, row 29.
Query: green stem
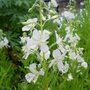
column 52, row 45
column 40, row 11
column 33, row 6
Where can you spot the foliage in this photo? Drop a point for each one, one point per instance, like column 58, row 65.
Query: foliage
column 12, row 12
column 6, row 71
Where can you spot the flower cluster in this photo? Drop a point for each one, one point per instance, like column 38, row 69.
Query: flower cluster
column 3, row 40
column 38, row 41
column 68, row 15
column 66, row 47
column 74, row 52
column 33, row 76
column 29, row 24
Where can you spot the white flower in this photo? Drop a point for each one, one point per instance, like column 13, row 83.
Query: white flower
column 44, row 48
column 32, row 68
column 30, row 24
column 45, row 51
column 33, row 76
column 28, row 48
column 75, row 56
column 58, row 60
column 79, row 58
column 58, row 21
column 24, row 39
column 84, row 64
column 37, row 41
column 68, row 15
column 72, row 55
column 40, row 37
column 1, row 44
column 47, row 55
column 70, row 77
column 57, row 54
column 72, row 39
column 4, row 42
column 59, row 41
column 41, row 72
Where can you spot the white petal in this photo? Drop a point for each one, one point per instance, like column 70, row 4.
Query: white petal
column 66, row 67
column 80, row 59
column 29, row 77
column 56, row 53
column 47, row 55
column 1, row 44
column 70, row 77
column 68, row 15
column 58, row 39
column 23, row 39
column 26, row 28
column 46, row 32
column 60, row 65
column 5, row 42
column 72, row 55
column 62, row 49
column 84, row 64
column 44, row 48
column 34, row 20
column 32, row 67
column 36, row 35
column 41, row 72
column 45, row 35
column 35, row 79
column 27, row 54
column 31, row 44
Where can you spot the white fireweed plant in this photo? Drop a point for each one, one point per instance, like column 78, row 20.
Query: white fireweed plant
column 60, row 62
